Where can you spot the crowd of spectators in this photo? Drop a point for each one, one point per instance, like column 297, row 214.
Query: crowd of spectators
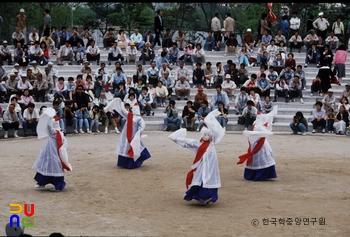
column 79, row 100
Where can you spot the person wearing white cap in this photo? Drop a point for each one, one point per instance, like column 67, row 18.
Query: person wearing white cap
column 329, row 100
column 248, row 39
column 321, row 24
column 229, row 86
column 21, row 22
column 5, row 53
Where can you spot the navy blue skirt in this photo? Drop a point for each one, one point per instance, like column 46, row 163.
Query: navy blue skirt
column 260, row 175
column 198, row 192
column 43, row 180
column 129, row 163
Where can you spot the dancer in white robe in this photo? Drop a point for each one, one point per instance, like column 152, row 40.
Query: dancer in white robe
column 53, row 157
column 131, row 150
column 259, row 160
column 204, row 176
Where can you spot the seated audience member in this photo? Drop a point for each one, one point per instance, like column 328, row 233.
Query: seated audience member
column 182, row 88
column 263, row 86
column 145, row 101
column 272, row 76
column 255, row 97
column 131, row 53
column 182, row 71
column 318, row 117
column 332, row 41
column 241, row 100
column 229, row 86
column 219, row 95
column 299, row 124
column 199, row 98
column 140, row 73
column 301, row 73
column 137, row 38
column 82, row 115
column 219, row 74
column 5, row 53
column 198, row 54
column 188, row 116
column 153, row 74
column 69, row 118
column 109, row 38
column 209, row 44
column 267, row 105
column 248, row 40
column 249, row 114
column 31, row 116
column 222, row 118
column 326, row 58
column 65, row 54
column 252, row 83
column 198, row 78
column 312, row 56
column 341, row 122
column 295, row 89
column 329, row 100
column 168, row 83
column 10, row 120
column 316, row 86
column 188, row 54
column 148, row 37
column 310, row 39
column 281, row 89
column 122, row 39
column 295, row 42
column 202, row 112
column 161, row 93
column 231, row 44
column 244, row 56
column 208, row 75
column 171, row 115
column 79, row 53
column 147, row 53
column 93, row 53
column 174, row 55
column 180, row 40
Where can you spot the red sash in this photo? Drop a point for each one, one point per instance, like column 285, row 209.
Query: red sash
column 201, row 150
column 249, row 155
column 59, row 145
column 129, row 134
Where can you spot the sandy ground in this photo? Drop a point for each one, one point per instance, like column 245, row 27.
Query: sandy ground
column 101, row 199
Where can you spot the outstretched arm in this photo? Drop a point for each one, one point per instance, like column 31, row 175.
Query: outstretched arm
column 179, row 138
column 118, row 105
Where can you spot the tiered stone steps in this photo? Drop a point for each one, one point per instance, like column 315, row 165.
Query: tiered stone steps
column 286, row 111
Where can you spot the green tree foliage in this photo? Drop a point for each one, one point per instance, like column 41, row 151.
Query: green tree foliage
column 132, row 15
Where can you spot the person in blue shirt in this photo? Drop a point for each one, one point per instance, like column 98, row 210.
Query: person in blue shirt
column 218, row 96
column 209, row 44
column 82, row 115
column 174, row 54
column 162, row 59
column 285, row 26
column 117, row 78
column 63, row 36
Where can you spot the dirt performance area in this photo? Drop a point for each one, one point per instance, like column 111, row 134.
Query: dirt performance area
column 309, row 197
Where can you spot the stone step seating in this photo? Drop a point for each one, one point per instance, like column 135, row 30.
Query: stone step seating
column 282, row 120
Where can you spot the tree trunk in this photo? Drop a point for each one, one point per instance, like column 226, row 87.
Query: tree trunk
column 206, row 17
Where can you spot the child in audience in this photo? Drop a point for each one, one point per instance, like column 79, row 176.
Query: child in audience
column 330, row 120
column 94, row 118
column 138, row 86
column 71, row 86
